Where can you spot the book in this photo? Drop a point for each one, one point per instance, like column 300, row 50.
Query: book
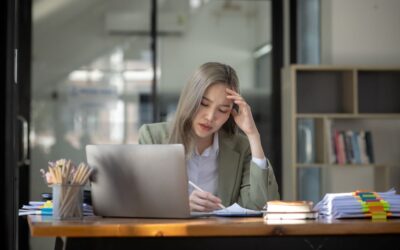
column 363, row 148
column 348, row 148
column 289, row 210
column 290, row 216
column 306, row 141
column 289, row 206
column 356, row 147
column 331, row 146
column 369, row 148
column 341, row 156
column 352, row 147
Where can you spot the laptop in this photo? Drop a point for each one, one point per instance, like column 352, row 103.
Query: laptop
column 136, row 180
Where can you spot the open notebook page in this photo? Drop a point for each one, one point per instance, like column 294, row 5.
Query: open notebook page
column 236, row 210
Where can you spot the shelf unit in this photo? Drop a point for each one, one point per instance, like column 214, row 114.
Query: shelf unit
column 341, row 98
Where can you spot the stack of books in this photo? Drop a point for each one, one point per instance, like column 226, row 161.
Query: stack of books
column 360, row 204
column 46, row 208
column 351, row 147
column 289, row 210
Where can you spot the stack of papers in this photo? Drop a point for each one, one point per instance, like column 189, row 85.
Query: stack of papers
column 289, row 210
column 378, row 205
column 46, row 208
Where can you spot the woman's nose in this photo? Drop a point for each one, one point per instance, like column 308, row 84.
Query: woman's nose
column 210, row 115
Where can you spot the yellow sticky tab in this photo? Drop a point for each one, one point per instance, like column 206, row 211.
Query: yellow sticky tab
column 374, row 204
column 379, row 215
column 48, row 204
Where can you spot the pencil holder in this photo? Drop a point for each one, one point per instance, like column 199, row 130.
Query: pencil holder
column 67, row 201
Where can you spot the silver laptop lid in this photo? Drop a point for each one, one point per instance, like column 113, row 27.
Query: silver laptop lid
column 132, row 180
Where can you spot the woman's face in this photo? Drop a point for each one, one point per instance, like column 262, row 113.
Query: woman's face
column 213, row 112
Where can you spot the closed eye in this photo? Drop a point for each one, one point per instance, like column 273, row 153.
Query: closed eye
column 204, row 104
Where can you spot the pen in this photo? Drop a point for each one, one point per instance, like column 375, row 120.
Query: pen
column 201, row 190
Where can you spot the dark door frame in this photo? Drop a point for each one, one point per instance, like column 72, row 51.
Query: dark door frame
column 15, row 76
column 23, row 114
column 8, row 172
column 277, row 63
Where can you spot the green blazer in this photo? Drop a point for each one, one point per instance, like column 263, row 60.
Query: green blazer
column 239, row 178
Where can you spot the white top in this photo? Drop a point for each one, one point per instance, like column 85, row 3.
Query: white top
column 203, row 169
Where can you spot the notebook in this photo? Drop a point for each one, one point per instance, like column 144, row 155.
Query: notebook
column 134, row 180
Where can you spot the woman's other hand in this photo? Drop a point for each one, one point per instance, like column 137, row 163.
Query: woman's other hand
column 243, row 117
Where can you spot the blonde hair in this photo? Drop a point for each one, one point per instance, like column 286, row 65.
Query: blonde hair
column 206, row 75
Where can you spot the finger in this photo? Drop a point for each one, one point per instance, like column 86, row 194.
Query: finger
column 205, row 199
column 208, row 203
column 240, row 102
column 231, row 91
column 199, row 194
column 234, row 98
column 203, row 205
column 198, row 208
column 243, row 106
column 233, row 95
column 210, row 206
column 194, row 204
column 210, row 197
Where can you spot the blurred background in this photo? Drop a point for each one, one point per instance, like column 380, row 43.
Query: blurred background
column 94, row 65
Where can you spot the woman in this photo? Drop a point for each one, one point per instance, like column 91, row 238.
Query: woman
column 229, row 166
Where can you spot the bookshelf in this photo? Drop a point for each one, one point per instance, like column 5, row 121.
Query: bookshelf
column 318, row 100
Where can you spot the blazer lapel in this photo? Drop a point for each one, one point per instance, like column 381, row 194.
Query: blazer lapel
column 228, row 167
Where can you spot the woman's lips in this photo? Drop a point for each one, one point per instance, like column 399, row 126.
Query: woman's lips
column 205, row 127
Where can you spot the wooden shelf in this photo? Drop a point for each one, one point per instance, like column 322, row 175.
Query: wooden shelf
column 354, row 165
column 383, row 87
column 324, row 165
column 340, row 98
column 332, row 90
column 310, row 165
column 350, row 116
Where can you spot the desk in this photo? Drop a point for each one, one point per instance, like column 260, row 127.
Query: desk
column 217, row 232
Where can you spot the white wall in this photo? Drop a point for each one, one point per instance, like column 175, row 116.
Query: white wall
column 361, row 32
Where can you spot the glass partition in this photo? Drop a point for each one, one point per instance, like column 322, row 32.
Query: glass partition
column 92, row 69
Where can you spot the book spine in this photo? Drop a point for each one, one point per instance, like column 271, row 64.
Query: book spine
column 363, row 148
column 356, row 147
column 341, row 148
column 369, row 146
column 349, row 147
column 337, row 146
column 305, row 141
column 330, row 135
column 346, row 147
